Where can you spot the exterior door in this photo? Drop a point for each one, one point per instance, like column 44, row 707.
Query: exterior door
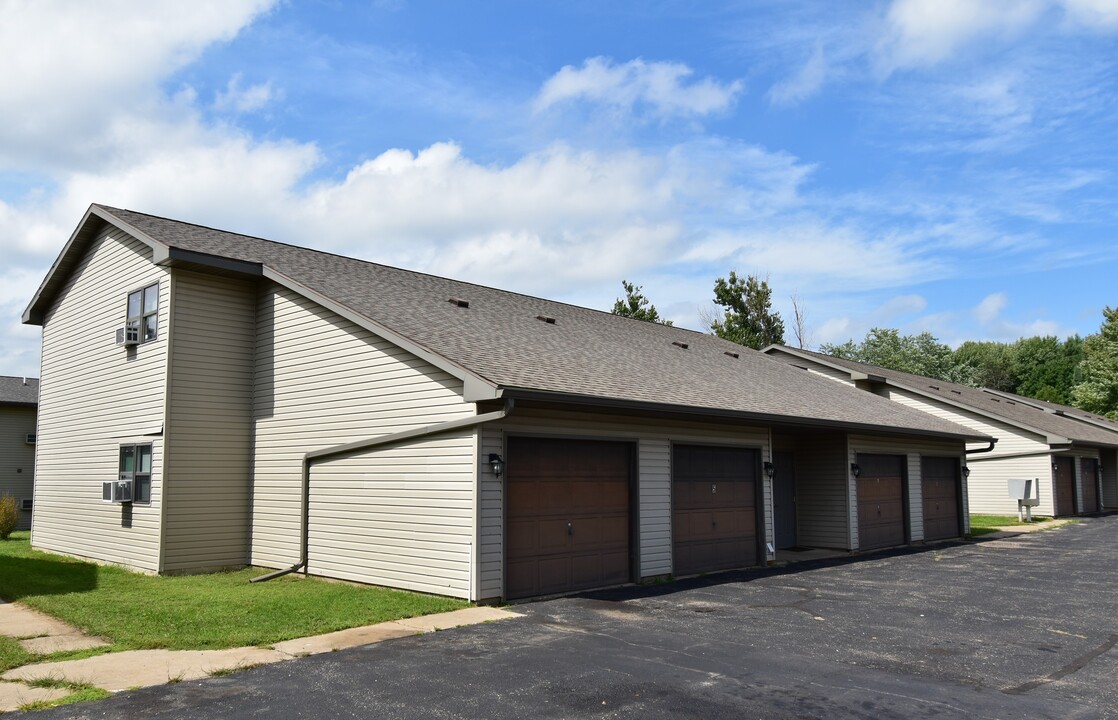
column 784, row 501
column 714, row 508
column 940, row 490
column 1090, row 474
column 1064, row 477
column 881, row 515
column 568, row 515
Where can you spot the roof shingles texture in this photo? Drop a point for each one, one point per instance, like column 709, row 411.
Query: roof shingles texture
column 584, row 353
column 19, row 390
column 1014, row 408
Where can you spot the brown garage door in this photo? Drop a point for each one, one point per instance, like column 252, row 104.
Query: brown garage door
column 1065, row 485
column 939, row 477
column 1090, row 473
column 714, row 508
column 880, row 501
column 567, row 517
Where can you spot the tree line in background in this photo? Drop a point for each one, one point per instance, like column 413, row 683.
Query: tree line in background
column 1082, row 372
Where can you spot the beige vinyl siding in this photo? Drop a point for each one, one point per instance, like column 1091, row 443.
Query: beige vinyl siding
column 822, row 491
column 400, row 516
column 815, row 368
column 913, row 450
column 209, row 423
column 655, row 472
column 491, row 514
column 17, row 458
column 93, row 397
column 989, row 489
column 1109, row 477
column 323, row 381
column 653, row 440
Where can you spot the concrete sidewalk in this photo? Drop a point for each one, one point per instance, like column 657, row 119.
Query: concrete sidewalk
column 143, row 668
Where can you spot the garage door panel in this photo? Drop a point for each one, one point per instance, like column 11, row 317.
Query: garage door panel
column 881, row 507
column 576, row 492
column 714, row 508
column 1089, row 472
column 941, row 489
column 1065, row 486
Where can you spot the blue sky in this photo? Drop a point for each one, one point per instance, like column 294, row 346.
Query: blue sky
column 940, row 165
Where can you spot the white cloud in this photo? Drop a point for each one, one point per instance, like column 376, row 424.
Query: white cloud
column 1093, row 14
column 805, row 83
column 661, row 86
column 71, row 69
column 239, row 99
column 987, row 311
column 925, row 32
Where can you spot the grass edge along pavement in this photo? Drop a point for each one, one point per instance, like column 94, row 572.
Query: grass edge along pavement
column 135, row 611
column 983, row 524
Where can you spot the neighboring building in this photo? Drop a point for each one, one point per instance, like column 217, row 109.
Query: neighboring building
column 278, row 406
column 1070, row 454
column 18, row 398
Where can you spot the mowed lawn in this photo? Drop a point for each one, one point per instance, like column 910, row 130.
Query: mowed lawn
column 195, row 612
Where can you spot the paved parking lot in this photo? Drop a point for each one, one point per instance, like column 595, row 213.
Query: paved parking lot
column 1010, row 628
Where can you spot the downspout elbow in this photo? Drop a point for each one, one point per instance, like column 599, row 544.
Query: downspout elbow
column 979, row 451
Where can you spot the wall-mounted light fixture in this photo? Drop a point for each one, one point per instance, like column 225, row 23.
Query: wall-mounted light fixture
column 966, row 471
column 1055, row 467
column 855, row 469
column 497, row 464
column 770, row 469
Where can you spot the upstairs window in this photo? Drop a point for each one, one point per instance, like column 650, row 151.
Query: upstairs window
column 135, row 465
column 143, row 314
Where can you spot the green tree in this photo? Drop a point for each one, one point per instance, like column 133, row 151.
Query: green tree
column 921, row 354
column 748, row 318
column 1046, row 368
column 1097, row 391
column 993, row 363
column 636, row 305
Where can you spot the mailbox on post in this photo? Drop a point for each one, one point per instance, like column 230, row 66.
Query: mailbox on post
column 1021, row 490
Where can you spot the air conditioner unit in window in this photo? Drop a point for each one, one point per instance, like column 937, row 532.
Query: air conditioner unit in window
column 25, row 503
column 116, row 491
column 30, row 439
column 128, row 335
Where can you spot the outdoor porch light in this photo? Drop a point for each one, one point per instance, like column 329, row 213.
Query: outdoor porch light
column 770, row 469
column 497, row 464
column 966, row 471
column 855, row 469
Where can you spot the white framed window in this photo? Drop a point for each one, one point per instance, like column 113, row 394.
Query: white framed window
column 135, row 465
column 143, row 314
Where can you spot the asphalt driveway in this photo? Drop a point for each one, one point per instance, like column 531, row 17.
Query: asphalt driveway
column 1011, row 628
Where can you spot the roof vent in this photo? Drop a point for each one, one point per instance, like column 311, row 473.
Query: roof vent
column 459, row 302
column 546, row 319
column 934, row 387
column 731, row 354
column 957, row 392
column 677, row 343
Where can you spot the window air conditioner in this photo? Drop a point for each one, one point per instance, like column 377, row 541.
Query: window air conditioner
column 30, row 439
column 128, row 335
column 25, row 503
column 116, row 491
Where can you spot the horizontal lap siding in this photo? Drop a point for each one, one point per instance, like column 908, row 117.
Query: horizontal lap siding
column 399, row 516
column 987, row 488
column 323, row 381
column 822, row 509
column 17, row 458
column 653, row 440
column 209, row 426
column 93, row 397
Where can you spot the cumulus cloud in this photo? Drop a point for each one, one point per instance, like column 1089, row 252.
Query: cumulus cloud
column 661, row 87
column 239, row 99
column 72, row 68
column 990, row 308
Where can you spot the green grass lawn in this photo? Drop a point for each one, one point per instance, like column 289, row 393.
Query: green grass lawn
column 984, row 524
column 195, row 612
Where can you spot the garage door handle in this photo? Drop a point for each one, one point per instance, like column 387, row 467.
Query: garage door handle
column 570, row 529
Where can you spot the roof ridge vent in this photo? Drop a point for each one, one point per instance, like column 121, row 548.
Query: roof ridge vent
column 731, row 354
column 677, row 343
column 459, row 302
column 545, row 318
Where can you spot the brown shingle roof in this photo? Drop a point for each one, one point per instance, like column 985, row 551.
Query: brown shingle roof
column 1017, row 410
column 583, row 354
